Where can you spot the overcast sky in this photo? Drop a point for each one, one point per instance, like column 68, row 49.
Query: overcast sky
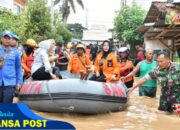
column 102, row 12
column 98, row 12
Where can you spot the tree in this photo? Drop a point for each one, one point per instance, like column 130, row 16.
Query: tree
column 60, row 30
column 127, row 20
column 39, row 20
column 77, row 30
column 15, row 23
column 35, row 22
column 6, row 20
column 40, row 26
column 65, row 8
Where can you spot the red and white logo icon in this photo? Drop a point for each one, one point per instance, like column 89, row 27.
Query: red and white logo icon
column 176, row 108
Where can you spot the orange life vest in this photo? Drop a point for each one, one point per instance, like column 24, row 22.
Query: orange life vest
column 76, row 63
column 126, row 68
column 110, row 66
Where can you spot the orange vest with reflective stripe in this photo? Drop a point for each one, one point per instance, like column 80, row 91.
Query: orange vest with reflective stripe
column 110, row 66
column 75, row 65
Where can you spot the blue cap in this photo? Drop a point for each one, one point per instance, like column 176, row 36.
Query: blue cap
column 7, row 33
column 14, row 36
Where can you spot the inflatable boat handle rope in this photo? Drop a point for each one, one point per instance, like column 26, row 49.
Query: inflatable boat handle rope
column 70, row 108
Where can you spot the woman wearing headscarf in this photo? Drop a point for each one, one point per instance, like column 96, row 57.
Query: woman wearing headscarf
column 106, row 66
column 41, row 68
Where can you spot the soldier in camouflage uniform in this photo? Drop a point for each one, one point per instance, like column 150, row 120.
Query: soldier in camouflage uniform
column 168, row 74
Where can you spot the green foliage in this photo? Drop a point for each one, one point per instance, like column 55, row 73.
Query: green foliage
column 127, row 20
column 61, row 32
column 176, row 56
column 35, row 22
column 77, row 30
column 8, row 21
column 39, row 20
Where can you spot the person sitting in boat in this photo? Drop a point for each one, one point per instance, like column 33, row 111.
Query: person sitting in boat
column 80, row 63
column 63, row 58
column 126, row 65
column 27, row 57
column 52, row 56
column 41, row 68
column 106, row 66
column 52, row 59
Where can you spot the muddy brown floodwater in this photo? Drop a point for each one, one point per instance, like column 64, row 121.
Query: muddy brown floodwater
column 141, row 114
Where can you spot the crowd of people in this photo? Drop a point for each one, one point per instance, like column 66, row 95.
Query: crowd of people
column 45, row 60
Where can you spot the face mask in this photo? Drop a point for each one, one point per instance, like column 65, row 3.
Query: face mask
column 28, row 49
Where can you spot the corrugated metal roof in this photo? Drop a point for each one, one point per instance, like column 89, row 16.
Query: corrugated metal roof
column 158, row 29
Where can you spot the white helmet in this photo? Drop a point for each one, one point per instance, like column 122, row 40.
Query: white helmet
column 123, row 49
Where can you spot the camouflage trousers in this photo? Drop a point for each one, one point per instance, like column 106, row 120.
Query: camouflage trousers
column 169, row 96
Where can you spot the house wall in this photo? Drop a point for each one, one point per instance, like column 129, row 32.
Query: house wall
column 154, row 44
column 97, row 32
column 20, row 2
column 16, row 6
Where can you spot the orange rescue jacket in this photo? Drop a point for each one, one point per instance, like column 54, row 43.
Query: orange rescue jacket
column 27, row 62
column 126, row 68
column 110, row 66
column 75, row 65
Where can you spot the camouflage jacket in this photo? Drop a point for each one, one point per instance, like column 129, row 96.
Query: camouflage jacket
column 170, row 83
column 168, row 77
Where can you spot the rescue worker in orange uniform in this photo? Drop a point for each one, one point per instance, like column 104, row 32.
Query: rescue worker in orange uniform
column 106, row 65
column 28, row 58
column 80, row 63
column 126, row 65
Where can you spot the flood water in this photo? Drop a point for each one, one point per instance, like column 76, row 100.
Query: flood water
column 141, row 114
